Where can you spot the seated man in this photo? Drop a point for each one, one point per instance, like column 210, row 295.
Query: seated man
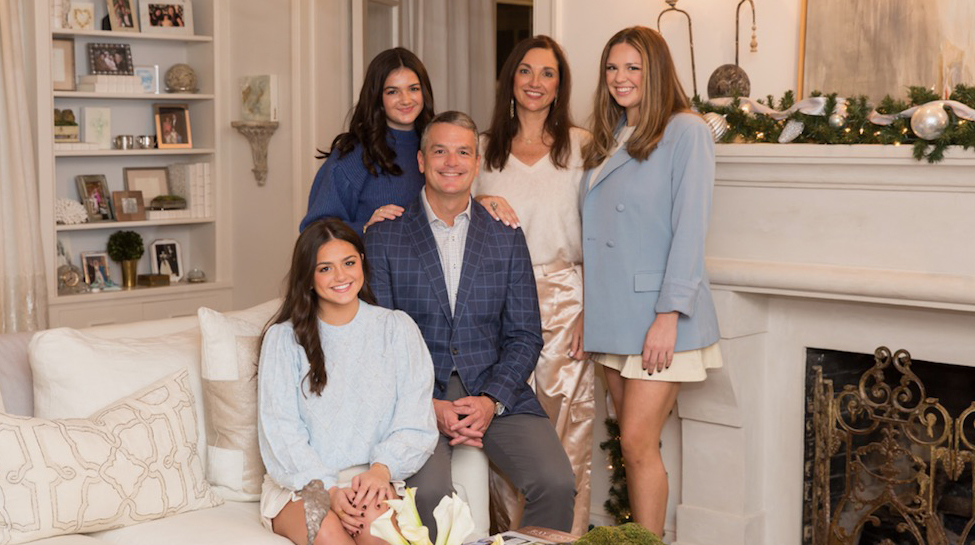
column 467, row 281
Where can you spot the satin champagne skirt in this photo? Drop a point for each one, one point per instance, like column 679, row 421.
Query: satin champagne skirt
column 564, row 387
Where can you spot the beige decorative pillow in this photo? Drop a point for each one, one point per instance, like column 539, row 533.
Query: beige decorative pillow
column 231, row 349
column 130, row 462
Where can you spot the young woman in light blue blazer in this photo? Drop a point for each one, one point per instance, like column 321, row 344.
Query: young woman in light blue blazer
column 645, row 200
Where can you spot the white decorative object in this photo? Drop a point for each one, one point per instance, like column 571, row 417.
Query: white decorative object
column 930, row 120
column 791, row 131
column 69, row 212
column 453, row 516
column 717, row 123
column 98, row 126
column 837, row 121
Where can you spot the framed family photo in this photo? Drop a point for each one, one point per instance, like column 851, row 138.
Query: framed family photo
column 148, row 78
column 150, row 182
column 110, row 59
column 62, row 64
column 166, row 16
column 173, row 126
column 121, row 15
column 93, row 190
column 165, row 258
column 129, row 205
column 95, row 267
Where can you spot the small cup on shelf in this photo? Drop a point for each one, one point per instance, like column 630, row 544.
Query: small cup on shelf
column 124, row 141
column 145, row 141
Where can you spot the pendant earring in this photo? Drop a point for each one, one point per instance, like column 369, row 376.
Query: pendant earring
column 511, row 111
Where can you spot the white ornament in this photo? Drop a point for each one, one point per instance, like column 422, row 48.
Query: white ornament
column 69, row 212
column 791, row 131
column 837, row 121
column 930, row 120
column 717, row 123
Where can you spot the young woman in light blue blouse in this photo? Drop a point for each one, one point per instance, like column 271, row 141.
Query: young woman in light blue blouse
column 344, row 393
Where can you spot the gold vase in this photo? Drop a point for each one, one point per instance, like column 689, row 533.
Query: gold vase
column 129, row 269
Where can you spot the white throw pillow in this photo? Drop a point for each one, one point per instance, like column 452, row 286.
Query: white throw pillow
column 130, row 462
column 231, row 349
column 76, row 374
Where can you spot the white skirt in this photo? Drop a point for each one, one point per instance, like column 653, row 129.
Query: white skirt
column 687, row 366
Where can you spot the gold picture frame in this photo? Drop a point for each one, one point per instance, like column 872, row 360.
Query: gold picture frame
column 173, row 126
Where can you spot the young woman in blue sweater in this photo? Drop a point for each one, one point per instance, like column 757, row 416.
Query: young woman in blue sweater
column 371, row 171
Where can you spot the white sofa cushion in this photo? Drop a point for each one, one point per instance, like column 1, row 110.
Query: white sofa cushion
column 231, row 349
column 233, row 523
column 132, row 461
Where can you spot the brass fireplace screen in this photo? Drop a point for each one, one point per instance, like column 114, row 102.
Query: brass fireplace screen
column 884, row 456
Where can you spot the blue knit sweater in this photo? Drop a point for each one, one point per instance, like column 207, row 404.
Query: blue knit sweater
column 344, row 189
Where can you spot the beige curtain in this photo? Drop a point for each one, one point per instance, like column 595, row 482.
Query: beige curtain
column 455, row 40
column 23, row 293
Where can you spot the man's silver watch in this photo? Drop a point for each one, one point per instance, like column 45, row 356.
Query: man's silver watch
column 498, row 406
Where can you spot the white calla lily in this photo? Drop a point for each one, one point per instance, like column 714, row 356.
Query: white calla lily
column 409, row 521
column 454, row 521
column 383, row 528
column 498, row 540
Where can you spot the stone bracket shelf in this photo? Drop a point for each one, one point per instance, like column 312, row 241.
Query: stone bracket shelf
column 258, row 133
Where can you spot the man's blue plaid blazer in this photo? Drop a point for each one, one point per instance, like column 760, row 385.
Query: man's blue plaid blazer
column 495, row 334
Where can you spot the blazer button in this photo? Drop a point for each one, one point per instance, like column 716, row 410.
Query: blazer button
column 610, row 243
column 454, row 351
column 620, row 207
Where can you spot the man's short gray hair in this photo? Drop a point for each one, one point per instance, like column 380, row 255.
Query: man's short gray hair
column 452, row 117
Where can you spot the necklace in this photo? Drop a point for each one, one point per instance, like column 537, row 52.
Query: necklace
column 530, row 141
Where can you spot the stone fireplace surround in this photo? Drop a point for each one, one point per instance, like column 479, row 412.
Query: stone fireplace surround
column 836, row 247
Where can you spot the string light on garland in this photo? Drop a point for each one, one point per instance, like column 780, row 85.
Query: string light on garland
column 618, row 503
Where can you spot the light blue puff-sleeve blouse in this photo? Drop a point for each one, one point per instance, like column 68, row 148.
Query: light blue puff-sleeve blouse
column 377, row 404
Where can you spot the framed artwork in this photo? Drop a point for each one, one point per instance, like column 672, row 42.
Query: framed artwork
column 97, row 125
column 62, row 64
column 93, row 190
column 95, row 267
column 173, row 126
column 129, row 205
column 896, row 45
column 166, row 16
column 165, row 258
column 110, row 59
column 148, row 78
column 150, row 182
column 121, row 14
column 81, row 15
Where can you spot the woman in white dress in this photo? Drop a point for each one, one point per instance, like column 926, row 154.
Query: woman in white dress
column 530, row 178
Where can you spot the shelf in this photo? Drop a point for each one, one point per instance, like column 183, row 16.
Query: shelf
column 109, row 35
column 137, row 292
column 132, row 152
column 130, row 224
column 134, row 96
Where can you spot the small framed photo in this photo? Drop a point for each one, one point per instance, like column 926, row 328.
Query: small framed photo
column 62, row 64
column 93, row 190
column 166, row 16
column 110, row 59
column 97, row 272
column 151, row 182
column 173, row 126
column 129, row 205
column 166, row 259
column 148, row 78
column 121, row 14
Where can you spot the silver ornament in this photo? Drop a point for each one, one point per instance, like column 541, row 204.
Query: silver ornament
column 930, row 120
column 791, row 131
column 717, row 123
column 837, row 121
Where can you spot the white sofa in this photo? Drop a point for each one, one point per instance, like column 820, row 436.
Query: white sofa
column 233, row 522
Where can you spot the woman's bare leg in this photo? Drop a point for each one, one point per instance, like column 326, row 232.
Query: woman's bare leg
column 290, row 523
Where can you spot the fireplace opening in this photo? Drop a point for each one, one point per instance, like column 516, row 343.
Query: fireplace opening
column 888, row 451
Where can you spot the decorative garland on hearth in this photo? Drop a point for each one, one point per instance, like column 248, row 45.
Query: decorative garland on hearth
column 924, row 121
column 618, row 504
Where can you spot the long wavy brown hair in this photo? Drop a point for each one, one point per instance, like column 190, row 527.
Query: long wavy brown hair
column 504, row 126
column 301, row 301
column 368, row 124
column 662, row 97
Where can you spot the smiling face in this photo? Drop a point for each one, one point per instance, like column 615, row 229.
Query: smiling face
column 624, row 78
column 402, row 99
column 448, row 160
column 338, row 279
column 536, row 82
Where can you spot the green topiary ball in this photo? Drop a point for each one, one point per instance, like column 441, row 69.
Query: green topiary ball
column 630, row 533
column 125, row 245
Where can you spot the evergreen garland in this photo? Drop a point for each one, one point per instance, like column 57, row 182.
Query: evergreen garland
column 618, row 504
column 745, row 127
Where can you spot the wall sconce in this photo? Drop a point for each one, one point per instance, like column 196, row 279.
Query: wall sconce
column 258, row 133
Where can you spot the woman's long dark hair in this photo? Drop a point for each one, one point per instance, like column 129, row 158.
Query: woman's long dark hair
column 368, row 124
column 301, row 301
column 504, row 126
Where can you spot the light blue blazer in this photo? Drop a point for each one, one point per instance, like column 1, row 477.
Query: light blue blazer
column 643, row 230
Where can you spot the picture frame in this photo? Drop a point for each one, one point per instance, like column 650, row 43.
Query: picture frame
column 165, row 258
column 110, row 59
column 96, row 269
column 173, row 126
column 93, row 190
column 62, row 64
column 150, row 182
column 166, row 16
column 121, row 15
column 148, row 78
column 81, row 15
column 129, row 205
